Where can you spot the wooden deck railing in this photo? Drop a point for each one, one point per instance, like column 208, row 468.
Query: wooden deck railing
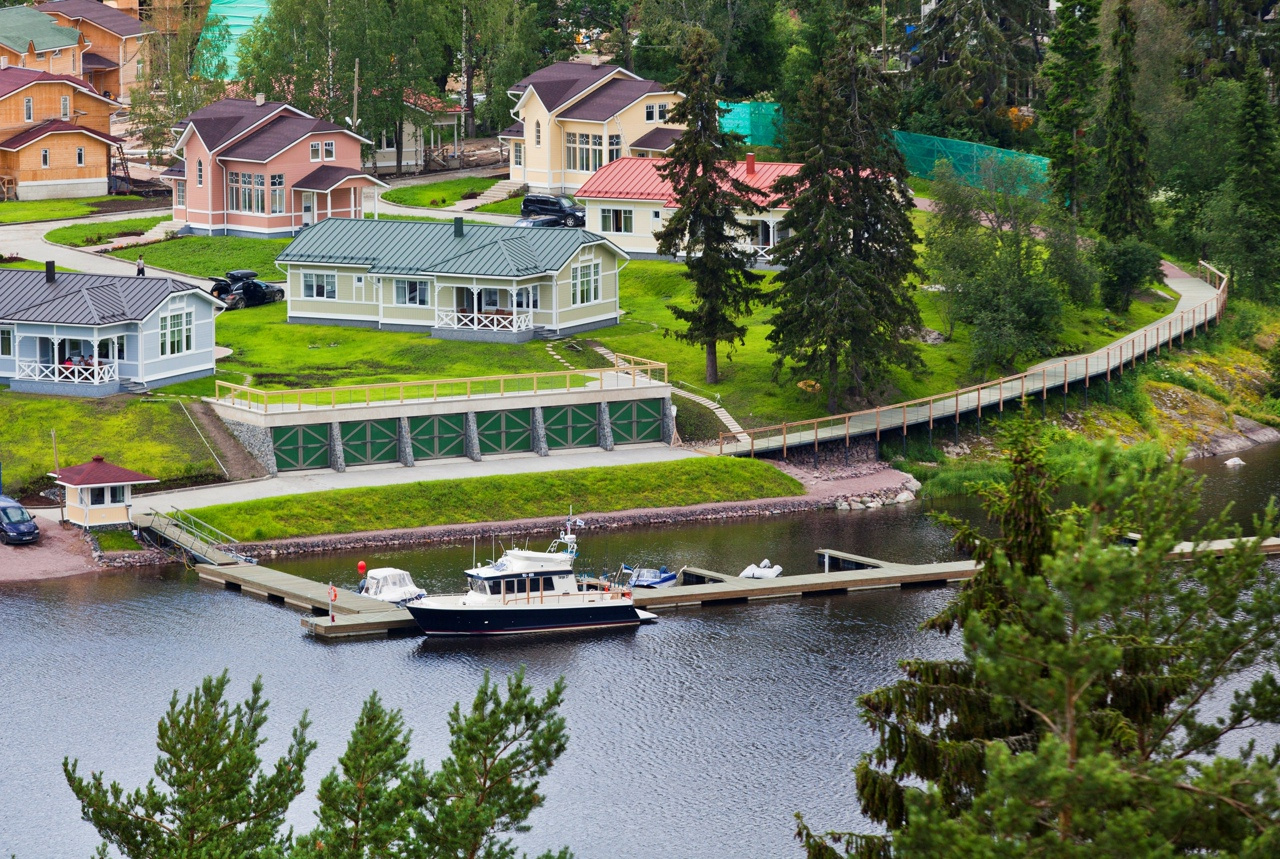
column 627, row 371
column 991, row 395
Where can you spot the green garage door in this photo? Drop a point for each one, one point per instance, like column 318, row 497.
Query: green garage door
column 437, row 436
column 505, row 432
column 366, row 442
column 636, row 421
column 301, row 447
column 572, row 426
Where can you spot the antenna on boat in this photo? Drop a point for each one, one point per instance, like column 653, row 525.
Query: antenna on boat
column 473, row 551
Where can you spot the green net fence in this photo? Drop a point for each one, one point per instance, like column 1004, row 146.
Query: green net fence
column 922, row 152
column 757, row 121
column 239, row 15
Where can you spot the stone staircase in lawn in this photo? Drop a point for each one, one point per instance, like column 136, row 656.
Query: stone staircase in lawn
column 155, row 234
column 499, row 192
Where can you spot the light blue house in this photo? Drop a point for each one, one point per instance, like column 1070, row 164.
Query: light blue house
column 93, row 335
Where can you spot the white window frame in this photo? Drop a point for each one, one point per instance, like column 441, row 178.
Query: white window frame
column 315, row 150
column 490, row 299
column 28, row 110
column 64, row 107
column 277, row 193
column 6, row 342
column 584, row 281
column 662, row 111
column 533, row 297
column 617, row 221
column 517, row 154
column 118, row 490
column 615, row 147
column 79, row 156
column 180, row 194
column 44, row 159
column 199, row 173
column 406, row 289
column 537, row 133
column 330, row 151
column 327, row 280
column 176, row 332
column 650, row 113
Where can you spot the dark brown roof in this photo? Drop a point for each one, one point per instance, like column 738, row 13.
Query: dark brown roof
column 276, row 136
column 559, row 82
column 223, row 120
column 83, row 299
column 53, row 126
column 658, row 140
column 94, row 62
column 178, row 170
column 99, row 472
column 14, row 78
column 326, row 178
column 516, row 130
column 112, row 20
column 610, row 98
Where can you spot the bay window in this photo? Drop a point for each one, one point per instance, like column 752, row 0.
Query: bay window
column 585, row 282
column 175, row 333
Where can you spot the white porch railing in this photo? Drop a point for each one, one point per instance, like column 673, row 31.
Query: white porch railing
column 483, row 321
column 99, row 374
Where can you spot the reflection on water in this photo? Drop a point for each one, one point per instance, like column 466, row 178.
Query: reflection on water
column 698, row 736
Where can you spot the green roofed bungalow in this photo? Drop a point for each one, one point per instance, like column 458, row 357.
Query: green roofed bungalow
column 34, row 37
column 457, row 281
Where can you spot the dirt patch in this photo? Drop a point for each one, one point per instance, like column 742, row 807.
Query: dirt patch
column 62, row 551
column 111, row 206
column 239, row 463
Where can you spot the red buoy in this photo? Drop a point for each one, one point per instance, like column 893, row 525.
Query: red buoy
column 360, row 567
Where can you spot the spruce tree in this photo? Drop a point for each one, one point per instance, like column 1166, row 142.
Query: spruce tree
column 219, row 801
column 844, row 306
column 1072, row 725
column 1124, row 204
column 1073, row 71
column 705, row 226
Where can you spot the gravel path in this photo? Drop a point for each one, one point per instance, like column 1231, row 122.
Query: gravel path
column 60, row 552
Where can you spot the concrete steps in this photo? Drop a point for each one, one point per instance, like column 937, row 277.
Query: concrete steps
column 499, row 192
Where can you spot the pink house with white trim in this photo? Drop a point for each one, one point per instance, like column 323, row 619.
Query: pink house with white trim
column 264, row 169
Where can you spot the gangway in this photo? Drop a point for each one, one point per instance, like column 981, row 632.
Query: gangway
column 197, row 538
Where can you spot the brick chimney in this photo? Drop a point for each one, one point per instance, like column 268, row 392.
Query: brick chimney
column 751, row 164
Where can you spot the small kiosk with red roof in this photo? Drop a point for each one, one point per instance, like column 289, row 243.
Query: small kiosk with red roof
column 98, row 493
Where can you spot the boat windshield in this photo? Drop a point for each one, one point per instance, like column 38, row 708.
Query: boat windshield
column 477, row 585
column 15, row 514
column 388, row 582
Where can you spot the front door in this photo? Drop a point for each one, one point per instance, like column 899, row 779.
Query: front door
column 308, row 204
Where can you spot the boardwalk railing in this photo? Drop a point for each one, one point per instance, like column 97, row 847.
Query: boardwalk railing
column 1056, row 376
column 194, row 535
column 627, row 371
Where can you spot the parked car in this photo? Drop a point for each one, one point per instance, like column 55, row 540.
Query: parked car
column 241, row 288
column 16, row 524
column 564, row 208
column 544, row 221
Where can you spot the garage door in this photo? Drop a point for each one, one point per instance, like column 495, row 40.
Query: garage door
column 636, row 421
column 301, row 447
column 367, row 442
column 437, row 436
column 572, row 426
column 505, row 432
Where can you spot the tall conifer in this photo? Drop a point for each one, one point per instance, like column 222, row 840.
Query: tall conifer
column 1073, row 71
column 844, row 306
column 1124, row 206
column 705, row 226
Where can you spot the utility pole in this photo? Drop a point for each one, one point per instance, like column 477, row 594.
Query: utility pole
column 355, row 98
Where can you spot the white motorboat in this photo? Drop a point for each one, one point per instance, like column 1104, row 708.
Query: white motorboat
column 764, row 570
column 527, row 591
column 647, row 577
column 390, row 585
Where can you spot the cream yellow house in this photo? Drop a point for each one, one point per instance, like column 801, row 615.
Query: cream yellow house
column 98, row 493
column 458, row 281
column 573, row 118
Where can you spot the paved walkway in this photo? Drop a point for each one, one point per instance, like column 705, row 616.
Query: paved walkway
column 27, row 241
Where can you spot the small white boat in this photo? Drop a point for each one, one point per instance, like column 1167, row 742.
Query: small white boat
column 646, row 577
column 390, row 585
column 764, row 570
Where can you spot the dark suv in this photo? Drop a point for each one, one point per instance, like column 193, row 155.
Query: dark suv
column 569, row 212
column 241, row 288
column 16, row 524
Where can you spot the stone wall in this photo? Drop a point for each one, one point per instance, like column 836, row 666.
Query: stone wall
column 256, row 440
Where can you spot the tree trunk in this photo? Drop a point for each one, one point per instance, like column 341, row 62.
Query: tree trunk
column 713, row 367
column 624, row 43
column 399, row 149
column 833, row 379
column 468, row 75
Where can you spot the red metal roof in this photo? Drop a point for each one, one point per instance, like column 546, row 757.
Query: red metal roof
column 99, row 472
column 14, row 78
column 638, row 179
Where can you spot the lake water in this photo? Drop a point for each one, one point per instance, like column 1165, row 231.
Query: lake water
column 697, row 736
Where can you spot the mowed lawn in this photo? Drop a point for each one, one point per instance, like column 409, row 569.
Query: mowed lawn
column 501, row 498
column 155, row 438
column 101, row 232
column 435, row 195
column 211, row 256
column 275, row 354
column 17, row 211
